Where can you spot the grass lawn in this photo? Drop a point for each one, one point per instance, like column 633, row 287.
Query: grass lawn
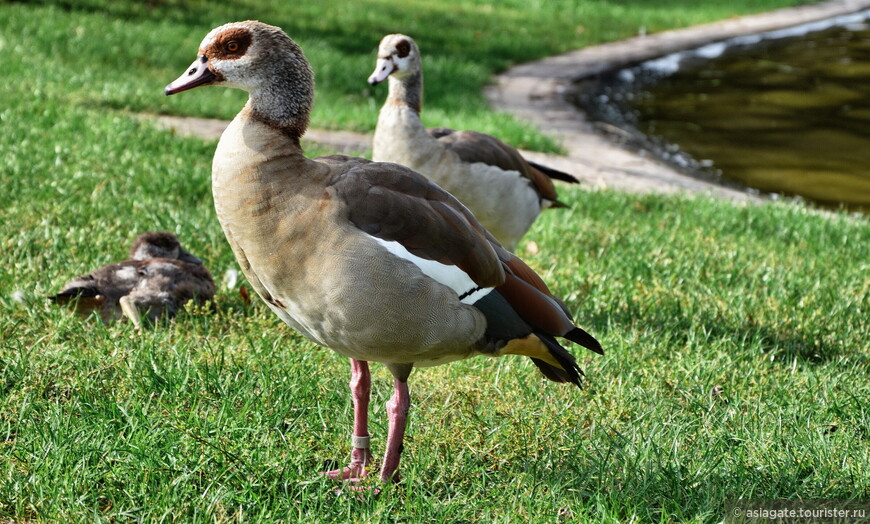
column 736, row 335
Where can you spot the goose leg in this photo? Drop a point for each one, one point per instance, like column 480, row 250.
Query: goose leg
column 361, row 455
column 128, row 306
column 397, row 409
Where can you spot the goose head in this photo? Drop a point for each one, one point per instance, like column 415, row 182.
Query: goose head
column 398, row 57
column 160, row 244
column 260, row 59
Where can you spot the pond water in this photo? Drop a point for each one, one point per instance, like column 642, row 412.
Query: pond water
column 787, row 112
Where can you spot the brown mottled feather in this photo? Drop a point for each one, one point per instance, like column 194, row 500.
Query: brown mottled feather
column 154, row 244
column 151, row 281
column 160, row 275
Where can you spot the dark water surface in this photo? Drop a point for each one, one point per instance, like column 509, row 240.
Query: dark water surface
column 787, row 115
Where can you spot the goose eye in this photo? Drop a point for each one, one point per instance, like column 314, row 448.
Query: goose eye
column 232, row 46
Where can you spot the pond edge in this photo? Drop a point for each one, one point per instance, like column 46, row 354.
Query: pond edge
column 538, row 92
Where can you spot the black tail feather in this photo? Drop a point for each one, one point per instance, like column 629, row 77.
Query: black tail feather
column 557, row 203
column 578, row 336
column 570, row 371
column 555, row 174
column 75, row 292
column 551, row 372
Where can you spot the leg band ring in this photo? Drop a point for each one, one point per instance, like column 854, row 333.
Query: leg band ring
column 360, row 442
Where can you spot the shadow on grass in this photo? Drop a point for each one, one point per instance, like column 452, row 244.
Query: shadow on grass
column 684, row 328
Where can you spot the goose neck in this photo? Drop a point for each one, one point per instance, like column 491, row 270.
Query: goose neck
column 407, row 91
column 285, row 104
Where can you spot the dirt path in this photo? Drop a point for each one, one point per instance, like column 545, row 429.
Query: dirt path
column 211, row 129
column 535, row 92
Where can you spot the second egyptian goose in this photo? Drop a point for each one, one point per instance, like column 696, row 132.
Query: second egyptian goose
column 503, row 190
column 158, row 279
column 370, row 259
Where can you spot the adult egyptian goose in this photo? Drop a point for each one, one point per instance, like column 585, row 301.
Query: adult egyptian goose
column 159, row 278
column 370, row 259
column 503, row 190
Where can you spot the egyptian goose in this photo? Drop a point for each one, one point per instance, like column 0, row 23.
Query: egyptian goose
column 370, row 259
column 504, row 191
column 159, row 278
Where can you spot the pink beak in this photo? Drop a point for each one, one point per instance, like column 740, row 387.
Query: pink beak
column 199, row 74
column 383, row 69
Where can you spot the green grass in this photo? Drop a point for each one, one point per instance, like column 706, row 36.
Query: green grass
column 225, row 416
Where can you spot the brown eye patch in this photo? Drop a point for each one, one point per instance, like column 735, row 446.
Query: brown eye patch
column 230, row 44
column 403, row 48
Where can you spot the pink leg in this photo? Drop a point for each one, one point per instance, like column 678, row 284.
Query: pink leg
column 360, row 388
column 397, row 409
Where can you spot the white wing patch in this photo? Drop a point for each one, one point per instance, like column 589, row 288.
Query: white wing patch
column 450, row 276
column 126, row 274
